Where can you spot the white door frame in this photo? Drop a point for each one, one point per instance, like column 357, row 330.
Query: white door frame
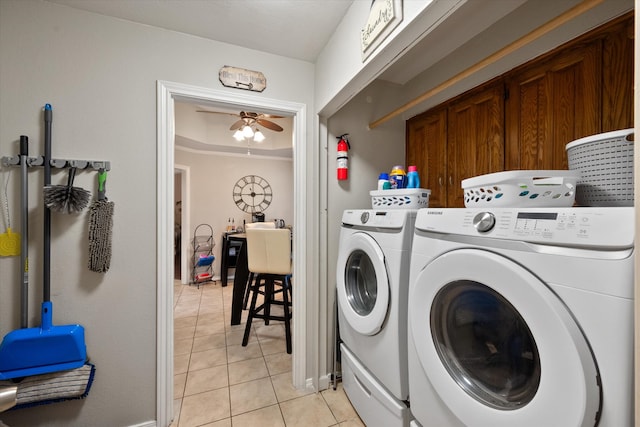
column 167, row 92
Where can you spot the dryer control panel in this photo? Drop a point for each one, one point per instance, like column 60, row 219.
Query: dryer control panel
column 602, row 227
column 378, row 219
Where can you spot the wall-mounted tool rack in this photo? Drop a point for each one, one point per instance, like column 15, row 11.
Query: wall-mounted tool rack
column 59, row 163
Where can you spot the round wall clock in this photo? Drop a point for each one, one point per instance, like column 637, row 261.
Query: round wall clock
column 252, row 194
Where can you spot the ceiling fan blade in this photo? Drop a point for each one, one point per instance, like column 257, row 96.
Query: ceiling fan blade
column 270, row 116
column 269, row 125
column 237, row 124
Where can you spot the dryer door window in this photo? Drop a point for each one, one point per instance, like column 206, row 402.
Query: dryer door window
column 485, row 344
column 362, row 284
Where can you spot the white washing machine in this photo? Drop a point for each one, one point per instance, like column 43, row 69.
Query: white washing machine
column 522, row 317
column 372, row 288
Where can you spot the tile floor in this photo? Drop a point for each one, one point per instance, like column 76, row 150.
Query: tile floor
column 219, row 383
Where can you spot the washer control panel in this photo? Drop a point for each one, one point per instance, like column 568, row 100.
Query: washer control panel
column 582, row 226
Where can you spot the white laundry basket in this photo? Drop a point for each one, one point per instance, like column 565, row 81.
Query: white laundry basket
column 521, row 188
column 405, row 198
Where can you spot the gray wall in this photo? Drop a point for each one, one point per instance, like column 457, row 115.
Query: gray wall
column 212, row 178
column 100, row 76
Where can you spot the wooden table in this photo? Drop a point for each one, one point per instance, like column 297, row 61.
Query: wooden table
column 230, row 250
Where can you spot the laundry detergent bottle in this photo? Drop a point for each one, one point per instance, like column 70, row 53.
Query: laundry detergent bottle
column 413, row 179
column 398, row 177
column 383, row 181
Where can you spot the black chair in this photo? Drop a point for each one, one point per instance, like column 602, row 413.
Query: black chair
column 269, row 259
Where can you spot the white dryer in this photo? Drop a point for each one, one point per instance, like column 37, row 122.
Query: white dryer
column 372, row 288
column 522, row 317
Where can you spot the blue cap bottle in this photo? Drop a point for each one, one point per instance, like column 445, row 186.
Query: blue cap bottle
column 383, row 181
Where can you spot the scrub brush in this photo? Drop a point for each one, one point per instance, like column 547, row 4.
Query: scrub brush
column 66, row 198
column 9, row 241
column 100, row 224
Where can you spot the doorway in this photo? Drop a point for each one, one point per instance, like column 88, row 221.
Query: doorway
column 167, row 93
column 182, row 208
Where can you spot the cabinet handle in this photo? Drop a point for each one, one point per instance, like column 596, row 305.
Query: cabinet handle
column 440, row 181
column 450, row 180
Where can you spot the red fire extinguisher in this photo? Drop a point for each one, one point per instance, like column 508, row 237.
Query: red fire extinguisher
column 343, row 157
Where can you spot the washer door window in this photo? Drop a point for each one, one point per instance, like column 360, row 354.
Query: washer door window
column 363, row 284
column 485, row 345
column 498, row 346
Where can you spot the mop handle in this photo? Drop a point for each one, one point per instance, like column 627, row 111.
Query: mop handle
column 102, row 181
column 24, row 239
column 46, row 262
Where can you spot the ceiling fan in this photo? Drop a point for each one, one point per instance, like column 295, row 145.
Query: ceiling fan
column 248, row 118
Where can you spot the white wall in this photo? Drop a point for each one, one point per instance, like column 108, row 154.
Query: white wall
column 372, row 152
column 340, row 71
column 100, row 76
column 212, row 178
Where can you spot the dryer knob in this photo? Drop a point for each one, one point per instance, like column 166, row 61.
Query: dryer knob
column 484, row 221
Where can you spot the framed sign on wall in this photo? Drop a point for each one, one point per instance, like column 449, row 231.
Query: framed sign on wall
column 384, row 17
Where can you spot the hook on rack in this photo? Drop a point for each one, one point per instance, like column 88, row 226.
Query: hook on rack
column 59, row 163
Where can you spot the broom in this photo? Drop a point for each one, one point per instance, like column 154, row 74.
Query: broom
column 100, row 225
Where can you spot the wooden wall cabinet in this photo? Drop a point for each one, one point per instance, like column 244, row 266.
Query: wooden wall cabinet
column 460, row 141
column 525, row 118
column 475, row 139
column 550, row 104
column 428, row 151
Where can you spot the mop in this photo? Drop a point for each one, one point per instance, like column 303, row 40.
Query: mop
column 100, row 224
column 52, row 388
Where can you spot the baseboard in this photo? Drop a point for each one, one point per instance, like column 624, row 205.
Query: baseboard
column 146, row 424
column 323, row 383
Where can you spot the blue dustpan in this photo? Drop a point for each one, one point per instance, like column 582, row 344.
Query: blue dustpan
column 36, row 351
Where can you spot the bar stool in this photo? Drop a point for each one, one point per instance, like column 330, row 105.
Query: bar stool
column 247, row 291
column 269, row 258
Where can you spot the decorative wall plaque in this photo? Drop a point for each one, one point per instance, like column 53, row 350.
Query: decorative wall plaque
column 384, row 16
column 240, row 78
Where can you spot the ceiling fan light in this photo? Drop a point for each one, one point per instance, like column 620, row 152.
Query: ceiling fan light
column 238, row 135
column 258, row 136
column 247, row 132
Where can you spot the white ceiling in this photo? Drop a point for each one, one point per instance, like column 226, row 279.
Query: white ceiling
column 293, row 28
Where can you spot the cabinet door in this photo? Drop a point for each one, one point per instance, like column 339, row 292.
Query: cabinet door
column 425, row 148
column 475, row 139
column 551, row 104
